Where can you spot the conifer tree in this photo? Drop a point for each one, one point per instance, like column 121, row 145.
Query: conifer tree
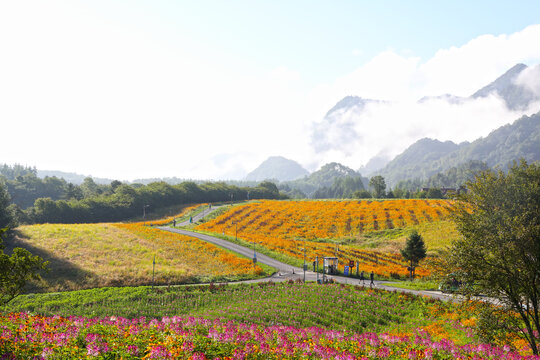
column 415, row 251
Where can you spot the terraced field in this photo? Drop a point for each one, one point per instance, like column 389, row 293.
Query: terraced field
column 346, row 229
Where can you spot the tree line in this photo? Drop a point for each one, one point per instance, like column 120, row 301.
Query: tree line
column 352, row 187
column 25, row 198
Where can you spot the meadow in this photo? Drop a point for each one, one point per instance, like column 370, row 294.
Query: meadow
column 370, row 232
column 84, row 256
column 242, row 321
column 337, row 307
column 259, row 321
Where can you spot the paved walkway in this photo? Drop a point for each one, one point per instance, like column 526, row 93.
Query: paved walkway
column 286, row 272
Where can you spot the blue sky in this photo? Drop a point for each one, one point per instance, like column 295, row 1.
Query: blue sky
column 320, row 39
column 100, row 87
column 324, row 39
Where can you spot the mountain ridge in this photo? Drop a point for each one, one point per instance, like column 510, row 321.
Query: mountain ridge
column 503, row 145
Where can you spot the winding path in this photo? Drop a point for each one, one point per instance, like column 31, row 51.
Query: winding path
column 287, row 272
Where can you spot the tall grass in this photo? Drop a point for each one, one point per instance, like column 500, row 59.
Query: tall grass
column 83, row 256
column 336, row 307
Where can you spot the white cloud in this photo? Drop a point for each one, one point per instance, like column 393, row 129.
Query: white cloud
column 392, row 126
column 463, row 70
column 101, row 98
column 530, row 79
column 81, row 92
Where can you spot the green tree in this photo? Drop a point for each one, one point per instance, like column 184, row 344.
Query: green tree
column 499, row 251
column 415, row 251
column 378, row 185
column 16, row 270
column 89, row 188
column 115, row 184
column 7, row 218
column 434, row 193
column 361, row 194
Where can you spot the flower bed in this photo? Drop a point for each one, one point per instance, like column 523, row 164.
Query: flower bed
column 25, row 336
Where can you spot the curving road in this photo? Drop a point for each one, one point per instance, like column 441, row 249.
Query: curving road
column 242, row 250
column 287, row 272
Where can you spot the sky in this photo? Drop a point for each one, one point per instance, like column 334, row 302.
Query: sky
column 209, row 89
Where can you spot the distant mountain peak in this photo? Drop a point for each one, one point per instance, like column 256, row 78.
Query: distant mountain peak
column 277, row 168
column 515, row 96
column 349, row 102
column 339, row 168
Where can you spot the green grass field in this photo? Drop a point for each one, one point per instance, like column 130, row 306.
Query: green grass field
column 335, row 307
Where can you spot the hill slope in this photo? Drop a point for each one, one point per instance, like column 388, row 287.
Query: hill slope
column 502, row 146
column 417, row 160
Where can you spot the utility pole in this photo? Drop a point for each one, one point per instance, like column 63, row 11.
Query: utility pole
column 144, row 211
column 153, row 268
column 304, row 261
column 317, row 261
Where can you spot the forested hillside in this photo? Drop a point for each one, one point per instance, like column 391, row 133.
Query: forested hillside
column 500, row 148
column 331, row 180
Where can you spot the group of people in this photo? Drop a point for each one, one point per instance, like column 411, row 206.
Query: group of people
column 174, row 221
column 371, row 278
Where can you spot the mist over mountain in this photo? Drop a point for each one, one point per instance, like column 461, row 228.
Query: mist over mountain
column 367, row 133
column 516, row 95
column 338, row 127
column 449, row 98
column 500, row 148
column 375, row 163
column 277, row 168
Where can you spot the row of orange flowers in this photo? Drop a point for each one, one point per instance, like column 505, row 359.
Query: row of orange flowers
column 280, row 225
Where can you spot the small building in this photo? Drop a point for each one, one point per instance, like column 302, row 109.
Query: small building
column 330, row 265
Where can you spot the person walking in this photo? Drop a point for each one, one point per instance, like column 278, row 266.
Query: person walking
column 362, row 277
column 371, row 276
column 174, row 223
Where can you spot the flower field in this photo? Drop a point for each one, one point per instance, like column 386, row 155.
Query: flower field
column 95, row 255
column 345, row 308
column 26, row 336
column 199, row 256
column 266, row 320
column 280, row 225
column 328, row 219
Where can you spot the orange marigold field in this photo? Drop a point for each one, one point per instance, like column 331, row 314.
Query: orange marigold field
column 280, row 225
column 193, row 253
